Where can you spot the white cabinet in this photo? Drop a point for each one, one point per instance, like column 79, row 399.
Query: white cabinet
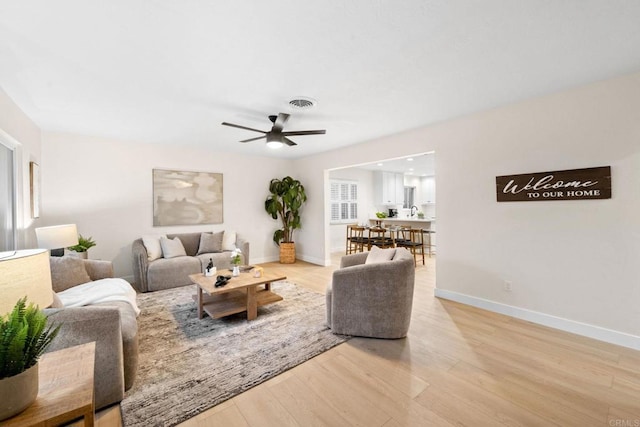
column 428, row 187
column 389, row 188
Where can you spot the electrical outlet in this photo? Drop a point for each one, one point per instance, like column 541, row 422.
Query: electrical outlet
column 508, row 286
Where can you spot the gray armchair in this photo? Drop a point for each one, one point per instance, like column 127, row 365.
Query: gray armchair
column 372, row 300
column 112, row 325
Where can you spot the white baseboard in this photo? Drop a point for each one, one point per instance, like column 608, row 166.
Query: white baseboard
column 276, row 258
column 314, row 260
column 264, row 260
column 579, row 328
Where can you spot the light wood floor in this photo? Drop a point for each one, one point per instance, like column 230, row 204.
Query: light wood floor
column 459, row 366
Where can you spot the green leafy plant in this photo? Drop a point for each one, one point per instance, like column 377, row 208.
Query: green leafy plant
column 235, row 256
column 24, row 337
column 83, row 244
column 286, row 198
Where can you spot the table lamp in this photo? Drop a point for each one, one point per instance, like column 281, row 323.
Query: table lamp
column 25, row 273
column 57, row 237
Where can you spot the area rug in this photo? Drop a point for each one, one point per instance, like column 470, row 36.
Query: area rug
column 187, row 365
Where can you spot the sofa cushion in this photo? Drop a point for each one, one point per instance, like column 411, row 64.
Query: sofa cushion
column 152, row 245
column 170, row 273
column 210, row 243
column 172, row 248
column 67, row 272
column 377, row 255
column 229, row 241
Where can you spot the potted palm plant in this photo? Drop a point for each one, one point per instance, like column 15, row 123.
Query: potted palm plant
column 84, row 244
column 24, row 336
column 285, row 201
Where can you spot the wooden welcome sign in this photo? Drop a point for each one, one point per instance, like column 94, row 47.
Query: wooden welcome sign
column 574, row 184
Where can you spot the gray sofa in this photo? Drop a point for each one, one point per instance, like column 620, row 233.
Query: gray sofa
column 166, row 273
column 372, row 300
column 112, row 325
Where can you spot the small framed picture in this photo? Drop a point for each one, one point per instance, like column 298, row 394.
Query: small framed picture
column 34, row 177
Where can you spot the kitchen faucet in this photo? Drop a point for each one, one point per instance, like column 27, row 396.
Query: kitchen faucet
column 412, row 213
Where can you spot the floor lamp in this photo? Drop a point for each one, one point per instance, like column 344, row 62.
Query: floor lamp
column 57, row 237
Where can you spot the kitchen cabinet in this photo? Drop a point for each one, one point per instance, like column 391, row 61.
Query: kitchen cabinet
column 389, row 188
column 428, row 187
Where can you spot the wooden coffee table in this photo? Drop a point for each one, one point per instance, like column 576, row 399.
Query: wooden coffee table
column 65, row 389
column 241, row 293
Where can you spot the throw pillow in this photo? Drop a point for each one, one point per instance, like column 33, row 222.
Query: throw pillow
column 172, row 248
column 377, row 255
column 210, row 242
column 57, row 302
column 152, row 244
column 67, row 272
column 229, row 241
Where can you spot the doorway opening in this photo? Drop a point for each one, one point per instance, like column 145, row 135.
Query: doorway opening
column 382, row 187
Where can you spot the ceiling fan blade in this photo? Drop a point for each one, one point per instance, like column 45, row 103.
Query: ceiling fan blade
column 254, row 139
column 304, row 132
column 242, row 127
column 287, row 141
column 278, row 125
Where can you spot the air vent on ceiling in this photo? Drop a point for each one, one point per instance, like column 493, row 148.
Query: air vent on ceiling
column 302, row 103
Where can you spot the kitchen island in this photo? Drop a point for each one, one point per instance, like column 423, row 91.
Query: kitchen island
column 425, row 223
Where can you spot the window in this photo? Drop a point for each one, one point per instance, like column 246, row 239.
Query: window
column 409, row 195
column 344, row 201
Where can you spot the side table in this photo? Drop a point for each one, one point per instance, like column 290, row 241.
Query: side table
column 65, row 390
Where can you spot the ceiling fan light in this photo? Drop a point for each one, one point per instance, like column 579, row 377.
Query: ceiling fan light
column 274, row 144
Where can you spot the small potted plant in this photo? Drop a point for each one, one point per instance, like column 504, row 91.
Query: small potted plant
column 236, row 260
column 24, row 336
column 84, row 244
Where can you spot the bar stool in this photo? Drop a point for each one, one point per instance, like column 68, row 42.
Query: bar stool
column 355, row 239
column 414, row 243
column 378, row 237
column 428, row 243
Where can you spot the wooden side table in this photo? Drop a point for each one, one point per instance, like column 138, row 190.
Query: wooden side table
column 65, row 389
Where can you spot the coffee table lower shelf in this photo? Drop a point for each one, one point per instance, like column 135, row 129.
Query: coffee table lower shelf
column 233, row 302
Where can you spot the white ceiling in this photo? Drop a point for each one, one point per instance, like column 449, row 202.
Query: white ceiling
column 171, row 71
column 416, row 165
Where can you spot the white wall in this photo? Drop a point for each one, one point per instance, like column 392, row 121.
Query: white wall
column 573, row 264
column 24, row 134
column 366, row 208
column 105, row 187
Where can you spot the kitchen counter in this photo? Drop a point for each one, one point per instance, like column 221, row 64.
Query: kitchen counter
column 425, row 223
column 410, row 220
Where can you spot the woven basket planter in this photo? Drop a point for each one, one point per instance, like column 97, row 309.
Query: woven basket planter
column 287, row 253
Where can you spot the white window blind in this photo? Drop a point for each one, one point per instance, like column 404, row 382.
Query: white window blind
column 344, row 201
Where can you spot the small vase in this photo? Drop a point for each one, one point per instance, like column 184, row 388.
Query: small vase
column 236, row 270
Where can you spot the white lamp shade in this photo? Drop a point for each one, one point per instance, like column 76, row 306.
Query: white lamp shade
column 25, row 273
column 57, row 236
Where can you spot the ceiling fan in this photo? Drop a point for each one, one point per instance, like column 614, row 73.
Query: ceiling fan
column 276, row 136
